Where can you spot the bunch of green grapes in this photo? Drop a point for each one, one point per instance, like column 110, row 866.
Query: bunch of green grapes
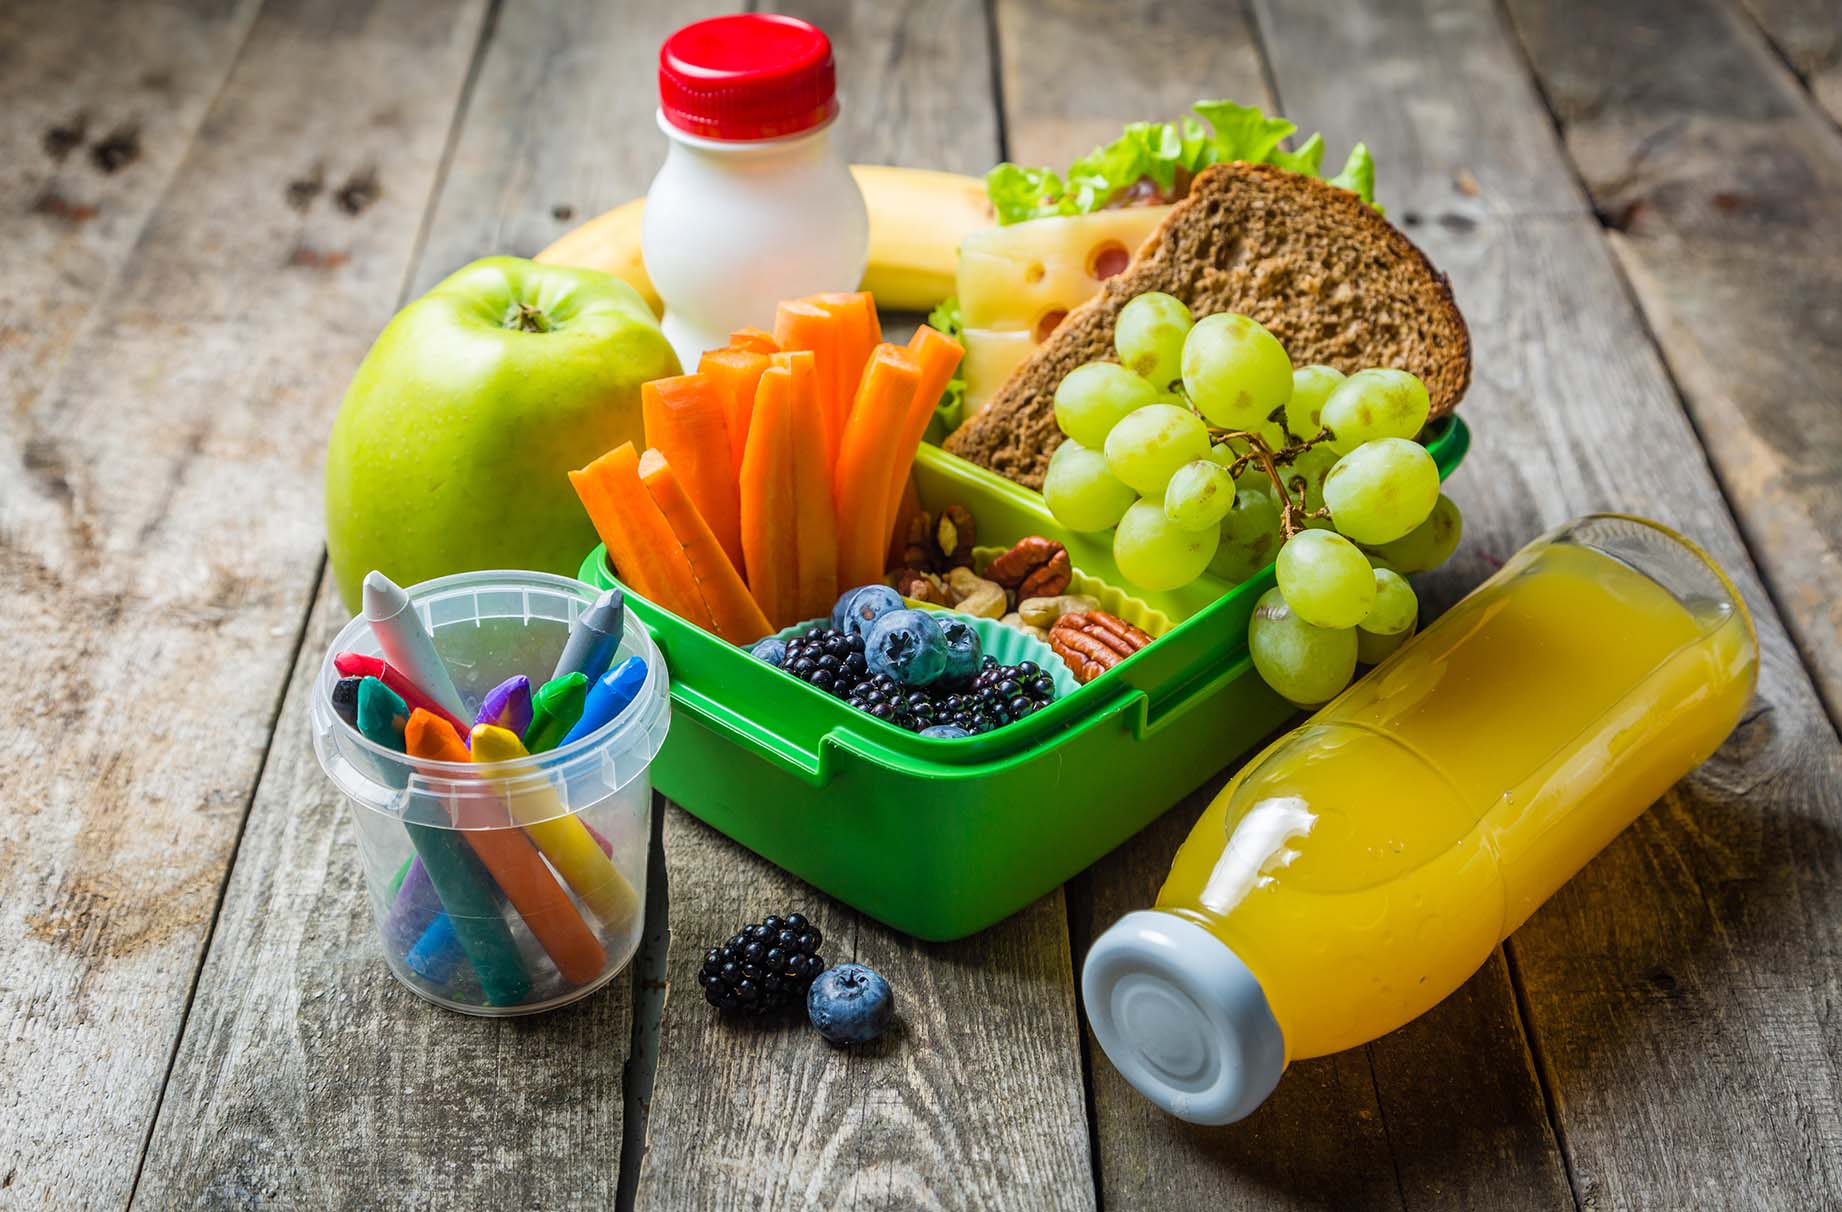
column 1204, row 450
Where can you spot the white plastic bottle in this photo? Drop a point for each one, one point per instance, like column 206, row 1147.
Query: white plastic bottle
column 754, row 204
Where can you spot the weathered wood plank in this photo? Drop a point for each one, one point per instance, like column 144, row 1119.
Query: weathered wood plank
column 98, row 103
column 976, row 1101
column 1328, row 1136
column 1679, row 987
column 305, row 1071
column 973, row 1100
column 1724, row 189
column 159, row 548
column 1808, row 33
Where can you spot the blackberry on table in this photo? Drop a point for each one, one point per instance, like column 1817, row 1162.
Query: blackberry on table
column 765, row 966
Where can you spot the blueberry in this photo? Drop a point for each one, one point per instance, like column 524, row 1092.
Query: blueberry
column 771, row 650
column 945, row 730
column 963, row 650
column 860, row 607
column 850, row 1004
column 906, row 646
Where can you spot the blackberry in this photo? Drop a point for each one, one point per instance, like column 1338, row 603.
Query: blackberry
column 765, row 966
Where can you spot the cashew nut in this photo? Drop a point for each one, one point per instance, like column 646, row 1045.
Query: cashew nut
column 974, row 595
column 1043, row 612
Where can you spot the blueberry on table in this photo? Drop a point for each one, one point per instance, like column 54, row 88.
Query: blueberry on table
column 906, row 645
column 850, row 1004
column 860, row 607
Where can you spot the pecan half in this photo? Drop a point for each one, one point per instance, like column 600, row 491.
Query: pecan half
column 1093, row 641
column 1035, row 568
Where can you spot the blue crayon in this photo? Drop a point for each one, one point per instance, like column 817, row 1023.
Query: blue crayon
column 608, row 697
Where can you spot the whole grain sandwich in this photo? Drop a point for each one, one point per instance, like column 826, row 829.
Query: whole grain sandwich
column 1312, row 261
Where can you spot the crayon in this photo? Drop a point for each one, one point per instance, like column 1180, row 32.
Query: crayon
column 512, row 859
column 455, row 875
column 609, row 697
column 380, row 717
column 356, row 664
column 407, row 644
column 593, row 637
column 507, row 705
column 555, row 708
column 345, row 699
column 559, row 833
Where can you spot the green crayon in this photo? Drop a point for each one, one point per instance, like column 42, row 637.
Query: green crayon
column 462, row 885
column 555, row 708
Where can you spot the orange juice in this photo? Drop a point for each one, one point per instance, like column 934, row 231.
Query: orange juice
column 1365, row 865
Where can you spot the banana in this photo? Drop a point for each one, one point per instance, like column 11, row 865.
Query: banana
column 917, row 218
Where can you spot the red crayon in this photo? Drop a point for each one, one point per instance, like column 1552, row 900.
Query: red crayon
column 356, row 664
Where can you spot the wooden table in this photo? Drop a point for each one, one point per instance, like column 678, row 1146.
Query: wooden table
column 208, row 208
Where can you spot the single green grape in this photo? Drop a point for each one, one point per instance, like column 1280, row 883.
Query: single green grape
column 1382, row 490
column 1311, row 386
column 1303, row 663
column 1199, row 495
column 1236, row 372
column 1429, row 544
column 1312, row 467
column 1374, row 404
column 1156, row 554
column 1395, row 609
column 1149, row 335
column 1080, row 491
column 1250, row 533
column 1326, row 579
column 1091, row 399
column 1373, row 649
column 1148, row 446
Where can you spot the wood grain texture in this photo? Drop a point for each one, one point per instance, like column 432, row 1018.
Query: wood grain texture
column 1724, row 187
column 308, row 1077
column 98, row 103
column 558, row 127
column 1679, row 987
column 973, row 1100
column 976, row 1100
column 1808, row 33
column 1460, row 1082
column 159, row 536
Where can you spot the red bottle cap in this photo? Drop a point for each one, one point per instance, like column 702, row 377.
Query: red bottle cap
column 748, row 76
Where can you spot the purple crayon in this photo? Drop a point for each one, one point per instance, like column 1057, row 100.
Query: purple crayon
column 507, row 705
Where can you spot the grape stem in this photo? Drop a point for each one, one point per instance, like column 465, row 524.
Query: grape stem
column 1292, row 513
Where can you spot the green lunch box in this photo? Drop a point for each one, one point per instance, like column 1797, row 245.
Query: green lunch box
column 941, row 838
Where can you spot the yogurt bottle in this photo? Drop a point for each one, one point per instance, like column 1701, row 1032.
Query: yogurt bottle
column 755, row 203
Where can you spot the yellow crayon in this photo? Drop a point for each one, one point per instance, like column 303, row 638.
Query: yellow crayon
column 560, row 835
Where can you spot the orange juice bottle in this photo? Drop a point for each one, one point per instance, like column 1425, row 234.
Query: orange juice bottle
column 1366, row 864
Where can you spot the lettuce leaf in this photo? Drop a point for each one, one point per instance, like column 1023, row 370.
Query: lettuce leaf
column 1153, row 161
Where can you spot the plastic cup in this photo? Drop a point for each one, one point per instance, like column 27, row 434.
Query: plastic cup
column 511, row 887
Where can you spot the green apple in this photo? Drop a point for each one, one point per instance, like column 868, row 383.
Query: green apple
column 452, row 449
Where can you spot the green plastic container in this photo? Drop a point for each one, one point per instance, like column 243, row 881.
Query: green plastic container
column 941, row 838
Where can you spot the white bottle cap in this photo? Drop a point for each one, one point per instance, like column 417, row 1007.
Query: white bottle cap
column 1182, row 1018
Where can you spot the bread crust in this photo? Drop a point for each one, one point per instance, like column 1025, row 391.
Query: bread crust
column 1333, row 280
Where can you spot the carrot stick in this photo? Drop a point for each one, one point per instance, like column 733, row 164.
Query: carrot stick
column 736, row 372
column 800, row 325
column 623, row 555
column 815, row 516
column 938, row 356
column 753, row 340
column 738, row 617
column 685, row 422
column 859, row 331
column 768, row 544
column 639, row 537
column 865, row 455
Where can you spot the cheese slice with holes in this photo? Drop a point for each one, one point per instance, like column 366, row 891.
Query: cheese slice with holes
column 1017, row 282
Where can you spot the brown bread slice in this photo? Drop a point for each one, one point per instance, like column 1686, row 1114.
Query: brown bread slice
column 1332, row 279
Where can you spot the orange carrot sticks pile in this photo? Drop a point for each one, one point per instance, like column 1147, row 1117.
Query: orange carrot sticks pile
column 776, row 475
